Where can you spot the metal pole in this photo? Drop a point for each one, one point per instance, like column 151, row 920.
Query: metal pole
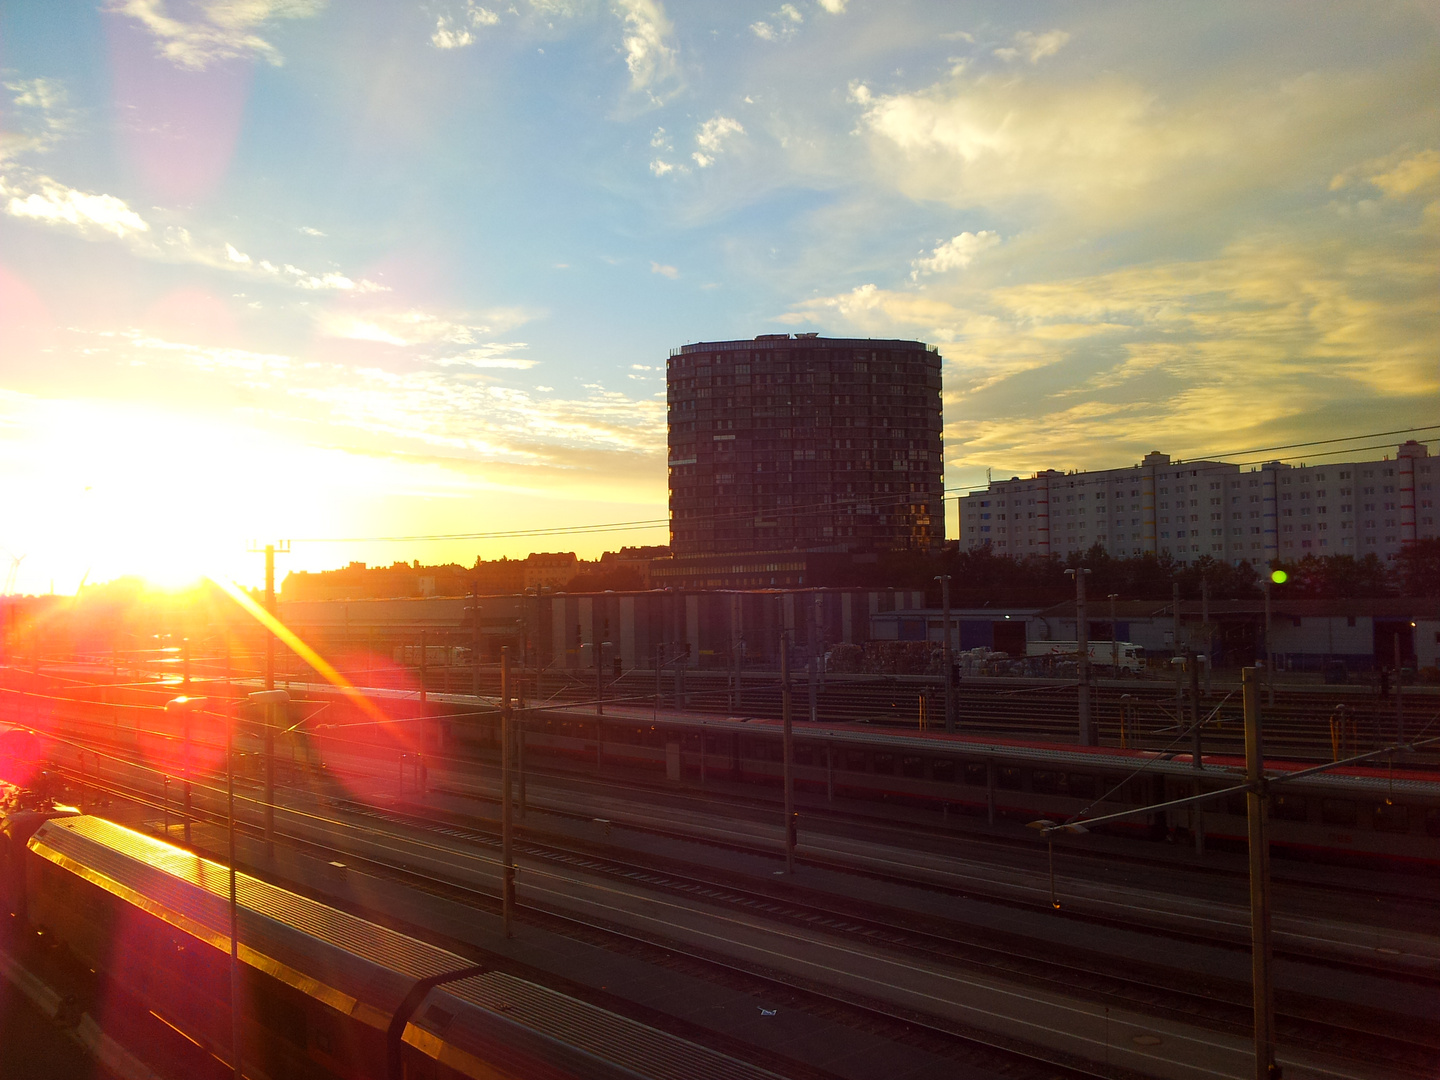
column 1114, row 640
column 814, row 695
column 520, row 721
column 1209, row 634
column 270, row 780
column 1082, row 648
column 599, row 679
column 1175, row 634
column 946, row 663
column 1256, row 801
column 186, row 727
column 270, row 607
column 1399, row 695
column 659, row 675
column 236, row 1031
column 475, row 639
column 1197, row 818
column 1269, row 651
column 507, row 854
column 424, row 654
column 788, row 778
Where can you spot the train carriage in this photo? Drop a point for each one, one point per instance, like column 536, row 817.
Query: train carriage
column 320, row 986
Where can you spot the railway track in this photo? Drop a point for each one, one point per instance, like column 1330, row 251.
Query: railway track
column 1349, row 1032
column 1298, row 725
column 1219, row 1005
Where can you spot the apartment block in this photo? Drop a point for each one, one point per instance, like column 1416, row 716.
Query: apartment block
column 783, row 444
column 1192, row 508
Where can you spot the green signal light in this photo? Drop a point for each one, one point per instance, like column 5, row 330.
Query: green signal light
column 1279, row 577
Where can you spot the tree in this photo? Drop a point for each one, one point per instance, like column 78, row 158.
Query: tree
column 1417, row 569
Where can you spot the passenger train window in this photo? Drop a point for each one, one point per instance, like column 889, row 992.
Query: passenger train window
column 1337, row 812
column 942, row 769
column 913, row 767
column 884, row 763
column 855, row 760
column 1083, row 786
column 975, row 773
column 1007, row 778
column 1391, row 817
column 1432, row 821
column 1288, row 807
column 1047, row 783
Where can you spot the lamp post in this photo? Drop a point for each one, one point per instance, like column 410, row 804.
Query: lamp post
column 945, row 661
column 1082, row 646
column 184, row 706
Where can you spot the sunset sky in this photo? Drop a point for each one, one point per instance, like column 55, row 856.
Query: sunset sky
column 288, row 269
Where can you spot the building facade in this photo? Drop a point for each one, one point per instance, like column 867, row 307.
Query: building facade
column 804, row 443
column 1194, row 508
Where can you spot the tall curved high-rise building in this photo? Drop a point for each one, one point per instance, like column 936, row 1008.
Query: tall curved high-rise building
column 805, row 443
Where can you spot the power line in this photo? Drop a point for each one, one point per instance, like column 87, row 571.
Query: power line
column 802, row 508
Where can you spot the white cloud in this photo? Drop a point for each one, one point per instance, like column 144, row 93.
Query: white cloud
column 711, row 136
column 763, row 30
column 955, row 254
column 1034, row 47
column 660, row 168
column 56, row 204
column 454, row 31
column 43, row 116
column 214, row 29
column 788, row 17
column 416, row 328
column 664, row 271
column 649, row 52
column 492, row 356
column 308, row 231
column 834, row 7
column 100, row 217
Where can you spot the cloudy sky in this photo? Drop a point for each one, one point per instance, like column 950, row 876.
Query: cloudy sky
column 289, row 269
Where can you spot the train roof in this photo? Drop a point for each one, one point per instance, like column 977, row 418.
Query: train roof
column 1224, row 768
column 1054, row 755
column 363, row 969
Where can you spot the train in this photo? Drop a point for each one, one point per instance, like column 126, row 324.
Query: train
column 324, row 994
column 1380, row 812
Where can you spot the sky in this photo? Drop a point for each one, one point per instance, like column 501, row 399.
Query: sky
column 283, row 269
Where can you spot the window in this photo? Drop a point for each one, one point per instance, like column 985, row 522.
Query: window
column 1390, row 817
column 1288, row 807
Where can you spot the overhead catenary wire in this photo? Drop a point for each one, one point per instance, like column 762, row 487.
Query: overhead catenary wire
column 880, row 499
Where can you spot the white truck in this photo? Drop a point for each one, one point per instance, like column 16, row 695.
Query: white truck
column 1125, row 656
